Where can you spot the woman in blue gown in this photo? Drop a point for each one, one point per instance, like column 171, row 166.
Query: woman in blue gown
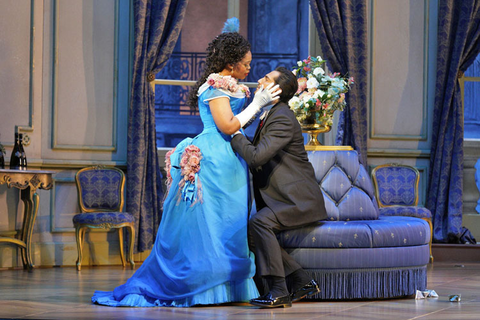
column 201, row 253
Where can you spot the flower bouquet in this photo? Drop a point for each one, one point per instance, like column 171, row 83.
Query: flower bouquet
column 319, row 94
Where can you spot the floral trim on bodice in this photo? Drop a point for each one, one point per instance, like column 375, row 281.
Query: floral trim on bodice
column 228, row 83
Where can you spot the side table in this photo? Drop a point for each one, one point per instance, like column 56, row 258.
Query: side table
column 28, row 181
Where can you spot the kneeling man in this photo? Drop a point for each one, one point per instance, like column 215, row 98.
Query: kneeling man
column 286, row 193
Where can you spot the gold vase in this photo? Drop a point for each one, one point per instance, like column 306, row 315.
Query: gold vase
column 313, row 131
column 313, row 128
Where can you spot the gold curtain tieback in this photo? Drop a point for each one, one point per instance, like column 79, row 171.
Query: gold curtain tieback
column 150, row 77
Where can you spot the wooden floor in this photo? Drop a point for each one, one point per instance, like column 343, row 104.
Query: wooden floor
column 64, row 293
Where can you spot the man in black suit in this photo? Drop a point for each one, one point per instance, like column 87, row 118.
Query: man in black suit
column 286, row 193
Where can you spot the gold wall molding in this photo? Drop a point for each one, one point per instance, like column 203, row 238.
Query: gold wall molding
column 94, row 148
column 423, row 136
column 397, row 153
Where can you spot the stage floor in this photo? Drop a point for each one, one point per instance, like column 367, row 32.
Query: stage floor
column 64, row 293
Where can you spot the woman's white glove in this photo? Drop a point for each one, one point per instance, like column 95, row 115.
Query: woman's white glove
column 263, row 97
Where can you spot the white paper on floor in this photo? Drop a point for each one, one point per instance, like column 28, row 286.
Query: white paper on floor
column 426, row 294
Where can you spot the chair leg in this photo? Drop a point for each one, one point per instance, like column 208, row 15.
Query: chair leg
column 79, row 235
column 130, row 247
column 120, row 239
column 431, row 237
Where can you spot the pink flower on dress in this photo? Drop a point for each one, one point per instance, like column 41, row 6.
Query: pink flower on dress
column 168, row 166
column 190, row 162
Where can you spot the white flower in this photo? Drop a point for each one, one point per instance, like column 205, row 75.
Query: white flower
column 299, row 63
column 318, row 71
column 294, row 72
column 306, row 97
column 319, row 58
column 294, row 102
column 312, row 83
column 318, row 94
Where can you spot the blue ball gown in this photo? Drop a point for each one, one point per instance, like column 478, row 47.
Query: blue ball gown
column 201, row 253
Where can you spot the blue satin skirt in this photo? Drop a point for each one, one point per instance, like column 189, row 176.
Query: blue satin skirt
column 201, row 253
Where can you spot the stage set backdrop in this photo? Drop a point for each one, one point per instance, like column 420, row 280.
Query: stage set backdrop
column 76, row 80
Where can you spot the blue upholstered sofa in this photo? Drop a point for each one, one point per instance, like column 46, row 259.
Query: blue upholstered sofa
column 355, row 253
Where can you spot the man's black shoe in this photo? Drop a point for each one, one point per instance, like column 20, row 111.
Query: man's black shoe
column 307, row 290
column 267, row 301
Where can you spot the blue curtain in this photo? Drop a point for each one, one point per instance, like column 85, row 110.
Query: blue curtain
column 157, row 26
column 342, row 29
column 458, row 45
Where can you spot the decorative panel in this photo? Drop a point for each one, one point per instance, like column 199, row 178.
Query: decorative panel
column 85, row 75
column 16, row 65
column 64, row 199
column 399, row 61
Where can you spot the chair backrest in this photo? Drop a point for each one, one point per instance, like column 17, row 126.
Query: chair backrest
column 346, row 186
column 396, row 184
column 100, row 189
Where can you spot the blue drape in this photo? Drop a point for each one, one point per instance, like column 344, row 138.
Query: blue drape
column 458, row 45
column 342, row 29
column 157, row 26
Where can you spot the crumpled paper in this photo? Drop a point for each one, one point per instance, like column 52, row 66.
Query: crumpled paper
column 425, row 294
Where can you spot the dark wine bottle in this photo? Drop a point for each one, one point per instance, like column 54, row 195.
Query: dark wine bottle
column 18, row 160
column 2, row 158
column 23, row 155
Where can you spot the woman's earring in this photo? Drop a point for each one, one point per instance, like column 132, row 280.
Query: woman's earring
column 232, row 71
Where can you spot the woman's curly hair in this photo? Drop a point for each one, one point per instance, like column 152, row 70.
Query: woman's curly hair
column 226, row 48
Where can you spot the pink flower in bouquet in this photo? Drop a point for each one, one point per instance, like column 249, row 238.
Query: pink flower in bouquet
column 302, row 85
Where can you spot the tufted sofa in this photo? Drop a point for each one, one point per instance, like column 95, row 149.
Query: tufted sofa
column 356, row 253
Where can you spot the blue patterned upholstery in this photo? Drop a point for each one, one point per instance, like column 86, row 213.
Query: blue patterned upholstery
column 384, row 232
column 408, row 211
column 100, row 189
column 397, row 185
column 357, row 253
column 94, row 218
column 346, row 185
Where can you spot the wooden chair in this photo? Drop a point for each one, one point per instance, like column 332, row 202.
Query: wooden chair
column 396, row 190
column 101, row 200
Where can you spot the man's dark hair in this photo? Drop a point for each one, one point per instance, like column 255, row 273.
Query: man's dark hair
column 287, row 82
